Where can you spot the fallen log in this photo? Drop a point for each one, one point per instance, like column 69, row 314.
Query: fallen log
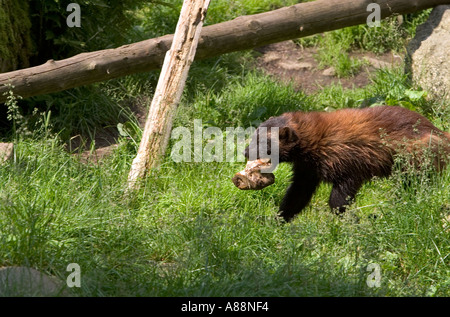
column 242, row 33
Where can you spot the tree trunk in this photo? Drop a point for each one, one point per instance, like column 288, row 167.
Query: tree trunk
column 239, row 34
column 15, row 40
column 169, row 89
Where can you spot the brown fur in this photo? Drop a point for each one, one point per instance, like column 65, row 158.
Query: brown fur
column 348, row 147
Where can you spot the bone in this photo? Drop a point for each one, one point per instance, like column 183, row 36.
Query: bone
column 251, row 178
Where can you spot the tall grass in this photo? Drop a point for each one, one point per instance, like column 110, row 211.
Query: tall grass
column 190, row 232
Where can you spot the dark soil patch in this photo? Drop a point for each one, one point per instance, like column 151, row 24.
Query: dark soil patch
column 105, row 140
column 291, row 63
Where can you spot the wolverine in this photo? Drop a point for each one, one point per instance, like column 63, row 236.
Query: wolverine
column 346, row 148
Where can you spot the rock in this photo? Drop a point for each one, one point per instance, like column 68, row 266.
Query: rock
column 376, row 63
column 294, row 65
column 446, row 223
column 329, row 72
column 270, row 57
column 25, row 281
column 428, row 60
column 98, row 154
column 6, row 150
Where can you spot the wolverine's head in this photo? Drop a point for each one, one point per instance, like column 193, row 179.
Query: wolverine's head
column 273, row 139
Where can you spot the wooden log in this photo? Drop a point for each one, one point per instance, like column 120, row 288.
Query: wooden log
column 168, row 90
column 242, row 33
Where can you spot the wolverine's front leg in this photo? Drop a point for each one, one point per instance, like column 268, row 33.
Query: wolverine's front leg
column 298, row 195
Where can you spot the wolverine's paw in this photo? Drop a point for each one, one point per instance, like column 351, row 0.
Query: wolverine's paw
column 284, row 216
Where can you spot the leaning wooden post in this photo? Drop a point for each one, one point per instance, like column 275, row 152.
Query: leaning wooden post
column 168, row 90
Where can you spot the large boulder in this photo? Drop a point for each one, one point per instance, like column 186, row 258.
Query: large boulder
column 25, row 281
column 428, row 59
column 6, row 150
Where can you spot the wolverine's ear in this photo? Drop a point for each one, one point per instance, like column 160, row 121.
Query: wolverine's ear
column 287, row 134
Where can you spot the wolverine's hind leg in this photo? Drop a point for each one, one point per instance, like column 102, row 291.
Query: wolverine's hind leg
column 343, row 194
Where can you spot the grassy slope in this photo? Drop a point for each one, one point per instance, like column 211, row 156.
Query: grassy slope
column 190, row 232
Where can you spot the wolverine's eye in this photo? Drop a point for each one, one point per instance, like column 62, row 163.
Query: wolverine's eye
column 246, row 152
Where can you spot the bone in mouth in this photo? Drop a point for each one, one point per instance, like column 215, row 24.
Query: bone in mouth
column 252, row 178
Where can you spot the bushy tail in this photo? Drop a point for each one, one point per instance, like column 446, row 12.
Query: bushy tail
column 447, row 135
column 436, row 145
column 443, row 150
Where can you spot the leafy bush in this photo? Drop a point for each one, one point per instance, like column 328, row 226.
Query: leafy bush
column 15, row 41
column 104, row 24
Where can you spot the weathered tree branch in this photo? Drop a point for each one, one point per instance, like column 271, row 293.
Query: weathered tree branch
column 168, row 90
column 242, row 33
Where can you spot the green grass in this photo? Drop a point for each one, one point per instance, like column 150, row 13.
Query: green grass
column 189, row 231
column 246, row 100
column 160, row 17
column 334, row 47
